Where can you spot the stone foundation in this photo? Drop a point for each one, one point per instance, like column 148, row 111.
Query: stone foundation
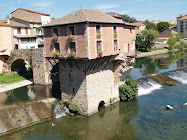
column 88, row 82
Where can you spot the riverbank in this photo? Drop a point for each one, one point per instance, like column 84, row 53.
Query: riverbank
column 144, row 54
column 24, row 115
column 7, row 87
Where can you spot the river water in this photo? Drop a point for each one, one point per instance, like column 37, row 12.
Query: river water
column 144, row 118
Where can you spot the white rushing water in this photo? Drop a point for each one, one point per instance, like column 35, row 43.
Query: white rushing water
column 180, row 76
column 60, row 112
column 147, row 85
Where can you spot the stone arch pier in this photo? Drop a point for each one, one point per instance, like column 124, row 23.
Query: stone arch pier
column 35, row 58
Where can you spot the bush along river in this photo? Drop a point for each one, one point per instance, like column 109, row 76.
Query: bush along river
column 143, row 118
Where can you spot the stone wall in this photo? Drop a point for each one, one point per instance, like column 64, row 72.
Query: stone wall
column 18, row 116
column 88, row 82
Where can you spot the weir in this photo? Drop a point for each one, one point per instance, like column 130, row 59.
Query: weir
column 156, row 81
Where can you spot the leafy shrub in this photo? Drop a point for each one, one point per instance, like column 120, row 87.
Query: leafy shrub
column 73, row 108
column 72, row 53
column 71, row 37
column 129, row 90
column 98, row 35
column 55, row 37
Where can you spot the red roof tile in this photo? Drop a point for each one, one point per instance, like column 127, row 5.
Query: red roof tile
column 138, row 24
column 182, row 18
column 3, row 24
column 31, row 11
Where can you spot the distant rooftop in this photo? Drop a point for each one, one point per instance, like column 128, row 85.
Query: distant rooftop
column 182, row 18
column 138, row 24
column 31, row 11
column 26, row 20
column 116, row 16
column 17, row 24
column 85, row 15
column 3, row 24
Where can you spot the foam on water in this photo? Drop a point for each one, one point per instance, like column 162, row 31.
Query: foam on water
column 58, row 111
column 180, row 76
column 147, row 85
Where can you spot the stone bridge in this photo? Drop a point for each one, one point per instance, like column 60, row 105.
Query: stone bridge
column 41, row 66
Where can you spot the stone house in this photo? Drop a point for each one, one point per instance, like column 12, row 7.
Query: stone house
column 5, row 43
column 92, row 49
column 86, row 32
column 164, row 36
column 27, row 29
column 139, row 27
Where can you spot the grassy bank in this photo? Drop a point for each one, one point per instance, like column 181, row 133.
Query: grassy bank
column 10, row 78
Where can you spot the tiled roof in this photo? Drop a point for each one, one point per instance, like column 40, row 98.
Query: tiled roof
column 116, row 16
column 30, row 21
column 85, row 15
column 138, row 24
column 17, row 24
column 3, row 24
column 31, row 11
column 182, row 18
column 162, row 38
column 166, row 33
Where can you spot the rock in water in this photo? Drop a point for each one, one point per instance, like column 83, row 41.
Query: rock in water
column 169, row 107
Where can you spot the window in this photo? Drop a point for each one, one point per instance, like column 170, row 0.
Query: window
column 57, row 47
column 16, row 47
column 115, row 45
column 130, row 30
column 72, row 46
column 71, row 30
column 18, row 31
column 26, row 31
column 98, row 45
column 55, row 31
column 28, row 40
column 98, row 29
column 38, row 31
column 114, row 29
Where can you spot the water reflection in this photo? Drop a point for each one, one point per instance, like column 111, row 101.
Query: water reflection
column 113, row 122
column 159, row 63
column 24, row 94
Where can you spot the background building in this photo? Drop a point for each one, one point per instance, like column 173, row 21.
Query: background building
column 5, row 43
column 182, row 25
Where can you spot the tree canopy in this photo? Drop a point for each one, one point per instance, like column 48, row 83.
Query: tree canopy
column 161, row 26
column 146, row 39
column 150, row 25
column 128, row 19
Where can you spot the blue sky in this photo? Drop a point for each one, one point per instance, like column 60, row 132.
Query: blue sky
column 140, row 9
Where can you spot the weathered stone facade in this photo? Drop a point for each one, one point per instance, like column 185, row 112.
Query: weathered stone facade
column 88, row 82
column 42, row 67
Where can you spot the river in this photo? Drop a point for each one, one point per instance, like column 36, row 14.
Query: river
column 144, row 118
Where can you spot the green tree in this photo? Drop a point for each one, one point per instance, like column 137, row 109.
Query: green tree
column 150, row 25
column 161, row 26
column 128, row 19
column 129, row 90
column 146, row 39
column 171, row 42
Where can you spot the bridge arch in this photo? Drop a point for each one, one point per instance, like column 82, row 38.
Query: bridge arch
column 23, row 68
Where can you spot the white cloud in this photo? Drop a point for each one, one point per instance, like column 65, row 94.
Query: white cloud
column 106, row 6
column 42, row 4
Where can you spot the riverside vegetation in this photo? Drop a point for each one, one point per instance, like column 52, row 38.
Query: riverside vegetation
column 10, row 77
column 129, row 90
